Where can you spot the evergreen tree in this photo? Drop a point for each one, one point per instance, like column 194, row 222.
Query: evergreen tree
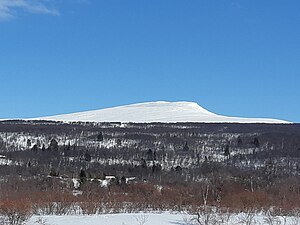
column 150, row 155
column 53, row 145
column 239, row 141
column 143, row 163
column 35, row 148
column 186, row 147
column 100, row 136
column 28, row 143
column 87, row 157
column 256, row 142
column 227, row 151
column 53, row 173
column 82, row 176
column 123, row 183
column 178, row 169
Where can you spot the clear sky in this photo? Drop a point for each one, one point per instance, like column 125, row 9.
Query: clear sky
column 233, row 57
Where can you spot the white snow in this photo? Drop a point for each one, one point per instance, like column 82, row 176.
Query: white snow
column 4, row 162
column 112, row 219
column 161, row 111
column 76, row 183
column 165, row 218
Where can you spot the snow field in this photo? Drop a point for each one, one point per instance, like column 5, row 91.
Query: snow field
column 165, row 218
column 112, row 219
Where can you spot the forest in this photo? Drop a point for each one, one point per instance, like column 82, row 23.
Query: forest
column 68, row 168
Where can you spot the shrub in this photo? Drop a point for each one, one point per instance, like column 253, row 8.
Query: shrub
column 15, row 212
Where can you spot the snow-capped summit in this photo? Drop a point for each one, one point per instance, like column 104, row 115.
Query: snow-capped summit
column 161, row 111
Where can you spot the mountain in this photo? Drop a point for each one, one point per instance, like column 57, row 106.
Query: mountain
column 161, row 111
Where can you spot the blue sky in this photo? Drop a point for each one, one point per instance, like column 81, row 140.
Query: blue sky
column 233, row 57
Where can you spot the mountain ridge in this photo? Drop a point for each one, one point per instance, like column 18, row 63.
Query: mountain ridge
column 159, row 111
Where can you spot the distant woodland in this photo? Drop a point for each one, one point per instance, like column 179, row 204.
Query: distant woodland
column 60, row 168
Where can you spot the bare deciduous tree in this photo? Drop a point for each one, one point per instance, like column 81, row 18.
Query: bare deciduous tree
column 295, row 220
column 141, row 219
column 15, row 212
column 248, row 217
column 206, row 216
column 271, row 218
column 41, row 221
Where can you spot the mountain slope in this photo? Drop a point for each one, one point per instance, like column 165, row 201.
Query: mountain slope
column 155, row 112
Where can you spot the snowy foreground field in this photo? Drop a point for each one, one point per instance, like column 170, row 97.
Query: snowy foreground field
column 112, row 219
column 163, row 219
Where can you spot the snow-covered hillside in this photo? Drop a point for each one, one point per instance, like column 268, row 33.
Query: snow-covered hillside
column 161, row 111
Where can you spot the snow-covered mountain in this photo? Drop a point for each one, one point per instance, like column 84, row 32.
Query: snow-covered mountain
column 160, row 111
